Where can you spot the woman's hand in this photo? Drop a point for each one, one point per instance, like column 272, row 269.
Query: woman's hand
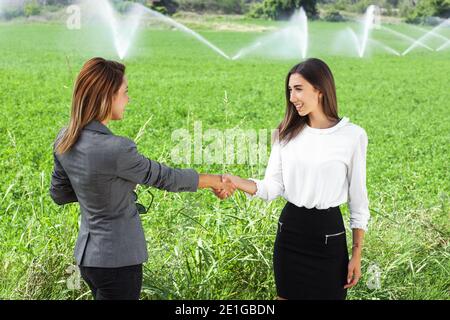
column 226, row 189
column 354, row 271
column 245, row 185
column 227, row 180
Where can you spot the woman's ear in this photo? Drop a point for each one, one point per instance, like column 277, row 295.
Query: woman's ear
column 114, row 99
column 319, row 93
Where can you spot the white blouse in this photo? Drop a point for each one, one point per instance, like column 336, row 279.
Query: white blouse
column 321, row 168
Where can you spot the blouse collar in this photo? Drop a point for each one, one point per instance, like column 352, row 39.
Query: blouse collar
column 338, row 125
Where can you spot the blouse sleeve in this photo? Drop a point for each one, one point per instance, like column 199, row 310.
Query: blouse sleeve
column 272, row 185
column 358, row 201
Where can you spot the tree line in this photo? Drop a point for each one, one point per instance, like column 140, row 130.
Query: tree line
column 415, row 11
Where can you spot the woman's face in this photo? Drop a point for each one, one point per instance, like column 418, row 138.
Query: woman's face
column 303, row 95
column 120, row 100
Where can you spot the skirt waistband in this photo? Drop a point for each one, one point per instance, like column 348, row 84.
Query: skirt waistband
column 312, row 221
column 293, row 207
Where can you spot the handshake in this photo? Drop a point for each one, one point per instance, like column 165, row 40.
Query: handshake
column 226, row 187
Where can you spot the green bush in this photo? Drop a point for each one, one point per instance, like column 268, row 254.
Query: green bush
column 233, row 6
column 31, row 9
column 160, row 9
column 282, row 9
column 223, row 6
column 167, row 7
column 361, row 6
column 333, row 16
column 426, row 9
column 341, row 5
column 11, row 13
column 388, row 7
column 405, row 8
column 257, row 11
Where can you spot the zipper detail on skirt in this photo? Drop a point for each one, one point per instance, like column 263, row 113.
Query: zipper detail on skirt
column 332, row 235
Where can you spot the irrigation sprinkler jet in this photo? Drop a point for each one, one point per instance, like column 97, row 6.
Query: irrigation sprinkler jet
column 385, row 47
column 296, row 31
column 405, row 37
column 445, row 45
column 123, row 32
column 427, row 35
column 371, row 20
column 183, row 28
column 437, row 35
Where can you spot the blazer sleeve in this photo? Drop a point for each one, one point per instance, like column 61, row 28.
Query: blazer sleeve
column 133, row 166
column 61, row 189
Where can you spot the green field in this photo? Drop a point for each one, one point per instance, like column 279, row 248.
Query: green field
column 200, row 247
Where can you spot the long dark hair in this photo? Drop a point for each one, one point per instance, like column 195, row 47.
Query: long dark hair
column 95, row 86
column 319, row 75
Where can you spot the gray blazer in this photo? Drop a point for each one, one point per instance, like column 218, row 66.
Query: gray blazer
column 100, row 172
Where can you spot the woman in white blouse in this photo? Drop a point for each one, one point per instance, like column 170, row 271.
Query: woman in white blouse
column 317, row 163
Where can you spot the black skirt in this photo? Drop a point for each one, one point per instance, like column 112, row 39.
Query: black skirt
column 310, row 257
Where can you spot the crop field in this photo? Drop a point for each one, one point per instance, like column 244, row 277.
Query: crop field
column 199, row 246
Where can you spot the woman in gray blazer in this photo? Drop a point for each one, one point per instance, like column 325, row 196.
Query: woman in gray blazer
column 100, row 171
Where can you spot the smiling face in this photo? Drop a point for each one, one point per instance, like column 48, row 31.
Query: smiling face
column 120, row 100
column 303, row 95
column 310, row 95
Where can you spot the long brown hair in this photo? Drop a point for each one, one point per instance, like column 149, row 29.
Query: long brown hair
column 319, row 75
column 96, row 84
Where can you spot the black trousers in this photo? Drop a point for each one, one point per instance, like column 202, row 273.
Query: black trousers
column 310, row 255
column 122, row 283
